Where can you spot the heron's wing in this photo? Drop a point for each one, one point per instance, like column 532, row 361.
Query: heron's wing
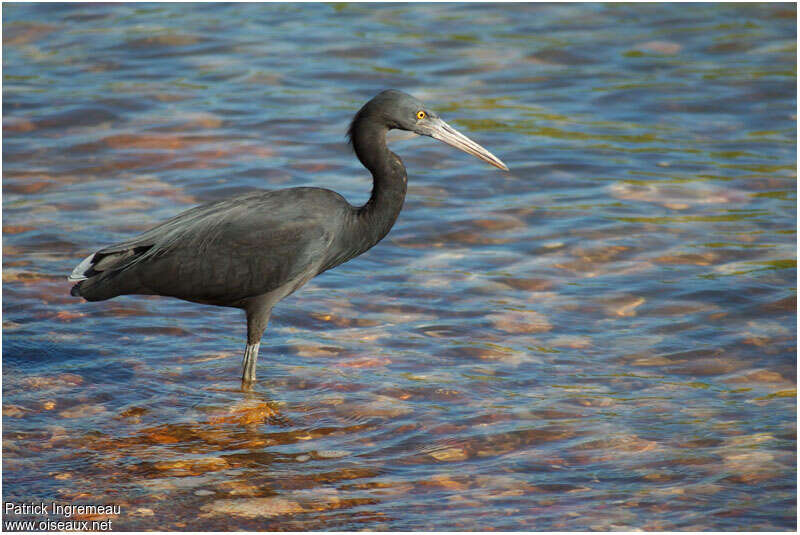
column 121, row 255
column 225, row 251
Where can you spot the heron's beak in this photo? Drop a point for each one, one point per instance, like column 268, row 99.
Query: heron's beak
column 442, row 131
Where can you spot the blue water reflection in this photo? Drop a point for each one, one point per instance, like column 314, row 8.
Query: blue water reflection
column 603, row 338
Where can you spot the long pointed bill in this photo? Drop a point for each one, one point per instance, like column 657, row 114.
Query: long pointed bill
column 444, row 132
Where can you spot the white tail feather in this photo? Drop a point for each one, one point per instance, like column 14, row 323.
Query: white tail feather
column 79, row 273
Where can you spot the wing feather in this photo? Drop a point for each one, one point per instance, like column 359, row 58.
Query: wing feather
column 221, row 252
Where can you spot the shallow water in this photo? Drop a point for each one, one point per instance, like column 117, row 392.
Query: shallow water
column 603, row 338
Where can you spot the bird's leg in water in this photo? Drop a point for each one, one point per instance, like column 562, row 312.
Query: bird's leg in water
column 257, row 319
column 249, row 363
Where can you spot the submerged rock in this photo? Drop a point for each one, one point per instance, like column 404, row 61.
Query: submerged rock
column 253, row 507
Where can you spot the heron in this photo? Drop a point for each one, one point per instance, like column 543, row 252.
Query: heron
column 252, row 250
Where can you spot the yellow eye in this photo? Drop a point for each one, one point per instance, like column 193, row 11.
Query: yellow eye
column 421, row 115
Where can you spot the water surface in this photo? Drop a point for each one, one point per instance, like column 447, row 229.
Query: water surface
column 603, row 338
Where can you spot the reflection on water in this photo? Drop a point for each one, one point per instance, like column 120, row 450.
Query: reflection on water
column 603, row 338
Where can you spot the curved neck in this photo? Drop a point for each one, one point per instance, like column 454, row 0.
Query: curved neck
column 378, row 215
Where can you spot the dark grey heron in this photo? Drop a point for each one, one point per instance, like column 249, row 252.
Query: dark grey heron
column 252, row 250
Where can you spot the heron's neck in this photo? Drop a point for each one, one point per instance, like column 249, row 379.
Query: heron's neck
column 378, row 215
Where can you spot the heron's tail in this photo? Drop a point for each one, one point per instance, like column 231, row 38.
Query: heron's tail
column 75, row 290
column 80, row 271
column 79, row 274
column 100, row 275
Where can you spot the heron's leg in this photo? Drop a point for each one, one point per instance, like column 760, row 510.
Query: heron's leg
column 249, row 363
column 257, row 319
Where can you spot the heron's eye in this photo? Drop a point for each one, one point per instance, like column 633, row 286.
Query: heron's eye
column 421, row 115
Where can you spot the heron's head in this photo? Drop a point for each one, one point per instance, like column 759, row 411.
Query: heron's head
column 400, row 110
